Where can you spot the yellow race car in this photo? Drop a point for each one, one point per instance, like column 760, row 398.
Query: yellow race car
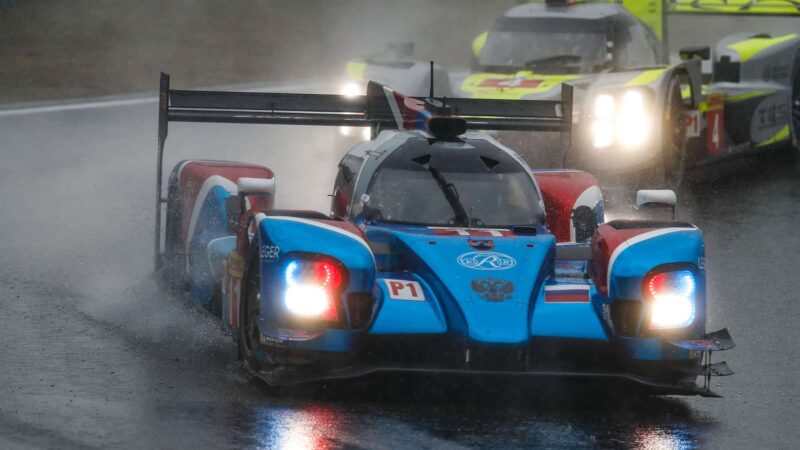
column 635, row 113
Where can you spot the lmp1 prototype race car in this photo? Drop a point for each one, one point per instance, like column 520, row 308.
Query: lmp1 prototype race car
column 443, row 252
column 634, row 112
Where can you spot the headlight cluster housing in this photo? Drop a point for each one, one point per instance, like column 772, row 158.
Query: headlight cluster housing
column 312, row 286
column 623, row 118
column 671, row 298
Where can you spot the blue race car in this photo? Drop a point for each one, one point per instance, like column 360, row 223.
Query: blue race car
column 443, row 252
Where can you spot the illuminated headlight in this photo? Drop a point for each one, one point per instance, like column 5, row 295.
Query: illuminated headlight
column 603, row 125
column 672, row 299
column 622, row 119
column 307, row 301
column 633, row 123
column 310, row 288
column 350, row 90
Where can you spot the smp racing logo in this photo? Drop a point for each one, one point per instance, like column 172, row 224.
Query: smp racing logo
column 487, row 261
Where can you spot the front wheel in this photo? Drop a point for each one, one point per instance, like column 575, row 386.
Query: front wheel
column 249, row 307
column 795, row 139
column 674, row 146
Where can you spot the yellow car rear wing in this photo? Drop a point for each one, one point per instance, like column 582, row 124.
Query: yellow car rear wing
column 653, row 13
column 738, row 7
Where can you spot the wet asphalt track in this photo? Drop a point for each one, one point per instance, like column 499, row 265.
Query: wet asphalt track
column 93, row 355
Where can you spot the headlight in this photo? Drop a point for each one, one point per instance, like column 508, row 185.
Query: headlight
column 350, row 90
column 672, row 299
column 603, row 124
column 623, row 118
column 633, row 123
column 310, row 288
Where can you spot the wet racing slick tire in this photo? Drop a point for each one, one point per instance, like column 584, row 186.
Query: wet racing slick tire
column 671, row 170
column 794, row 141
column 249, row 336
column 789, row 152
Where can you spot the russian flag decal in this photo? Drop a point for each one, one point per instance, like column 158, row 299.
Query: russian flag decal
column 566, row 293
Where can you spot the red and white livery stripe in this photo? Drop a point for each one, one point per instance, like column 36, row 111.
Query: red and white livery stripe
column 474, row 232
column 628, row 243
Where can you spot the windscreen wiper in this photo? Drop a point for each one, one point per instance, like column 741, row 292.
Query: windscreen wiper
column 451, row 194
column 555, row 59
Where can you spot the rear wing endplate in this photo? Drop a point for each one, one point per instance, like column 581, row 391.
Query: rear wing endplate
column 377, row 110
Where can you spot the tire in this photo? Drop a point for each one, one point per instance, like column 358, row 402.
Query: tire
column 794, row 142
column 173, row 270
column 674, row 148
column 248, row 311
column 215, row 304
column 668, row 171
column 790, row 152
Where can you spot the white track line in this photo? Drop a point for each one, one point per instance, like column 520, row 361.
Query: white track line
column 77, row 106
column 105, row 102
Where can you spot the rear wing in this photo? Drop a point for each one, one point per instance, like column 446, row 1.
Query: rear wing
column 381, row 108
column 735, row 7
column 653, row 13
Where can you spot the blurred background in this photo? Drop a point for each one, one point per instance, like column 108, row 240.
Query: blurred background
column 52, row 49
column 55, row 49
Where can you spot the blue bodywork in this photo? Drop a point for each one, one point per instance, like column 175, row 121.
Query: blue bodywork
column 427, row 298
column 450, row 312
column 452, row 307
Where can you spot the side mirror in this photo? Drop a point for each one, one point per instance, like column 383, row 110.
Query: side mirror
column 260, row 187
column 372, row 213
column 688, row 53
column 250, row 186
column 657, row 198
column 478, row 43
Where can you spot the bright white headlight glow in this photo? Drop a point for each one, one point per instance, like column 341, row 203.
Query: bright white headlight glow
column 672, row 312
column 602, row 133
column 633, row 122
column 621, row 119
column 673, row 300
column 350, row 90
column 604, row 107
column 603, row 124
column 308, row 289
column 306, row 301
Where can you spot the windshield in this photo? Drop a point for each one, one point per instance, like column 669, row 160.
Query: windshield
column 561, row 46
column 437, row 184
